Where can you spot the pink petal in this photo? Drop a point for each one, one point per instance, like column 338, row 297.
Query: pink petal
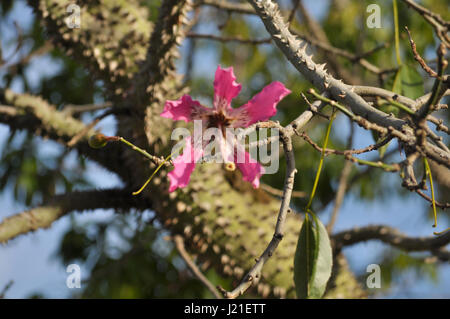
column 262, row 106
column 225, row 87
column 184, row 165
column 185, row 109
column 251, row 170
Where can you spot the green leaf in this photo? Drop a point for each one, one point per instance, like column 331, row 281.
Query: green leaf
column 397, row 83
column 382, row 149
column 313, row 259
column 412, row 82
column 304, row 258
column 406, row 81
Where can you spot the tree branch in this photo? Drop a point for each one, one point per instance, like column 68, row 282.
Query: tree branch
column 34, row 114
column 297, row 53
column 390, row 236
column 228, row 39
column 60, row 205
column 228, row 6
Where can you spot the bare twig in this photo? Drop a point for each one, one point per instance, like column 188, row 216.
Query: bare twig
column 277, row 192
column 87, row 130
column 179, row 244
column 313, row 108
column 329, row 151
column 5, row 289
column 418, row 58
column 389, row 236
column 387, row 167
column 228, row 39
column 75, row 109
column 20, row 38
column 295, row 5
column 429, row 199
column 440, row 86
column 439, row 124
column 340, row 194
column 343, row 183
column 228, row 6
column 255, row 272
column 13, row 68
column 371, row 51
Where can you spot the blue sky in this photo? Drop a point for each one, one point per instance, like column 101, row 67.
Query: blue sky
column 29, row 260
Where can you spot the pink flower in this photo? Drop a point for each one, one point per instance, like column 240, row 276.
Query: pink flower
column 260, row 108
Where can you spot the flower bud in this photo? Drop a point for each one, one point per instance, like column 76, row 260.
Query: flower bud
column 98, row 140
